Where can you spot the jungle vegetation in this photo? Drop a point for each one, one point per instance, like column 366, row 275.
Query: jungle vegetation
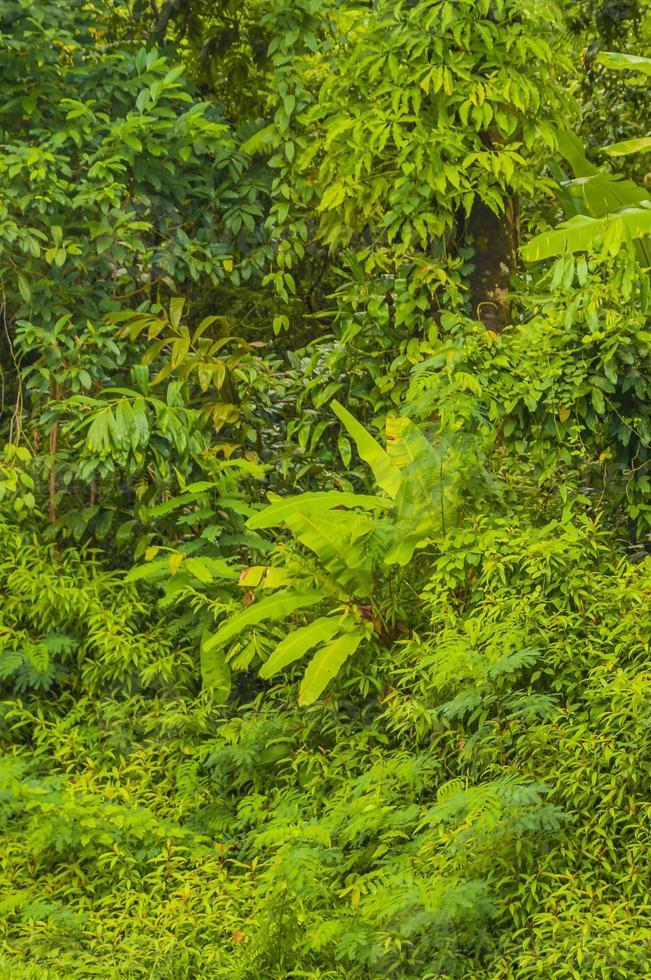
column 325, row 489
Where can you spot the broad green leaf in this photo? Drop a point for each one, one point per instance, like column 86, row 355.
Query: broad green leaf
column 215, row 673
column 299, row 642
column 428, row 493
column 326, row 664
column 594, row 192
column 265, row 577
column 277, row 606
column 24, row 288
column 275, row 577
column 642, row 144
column 603, row 194
column 386, row 474
column 582, row 233
column 251, row 576
column 420, row 463
column 268, row 136
column 571, row 147
column 406, row 444
column 624, row 62
column 176, row 310
column 283, row 508
column 403, row 550
column 333, row 538
column 173, row 74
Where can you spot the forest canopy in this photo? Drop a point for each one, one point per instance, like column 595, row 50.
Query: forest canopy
column 325, row 500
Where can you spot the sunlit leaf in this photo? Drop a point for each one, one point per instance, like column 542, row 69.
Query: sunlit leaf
column 277, row 606
column 298, row 643
column 326, row 664
column 386, row 474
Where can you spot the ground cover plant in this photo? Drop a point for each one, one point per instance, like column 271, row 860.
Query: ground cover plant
column 325, row 363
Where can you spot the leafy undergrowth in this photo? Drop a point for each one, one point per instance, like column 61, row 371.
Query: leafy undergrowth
column 474, row 804
column 281, row 698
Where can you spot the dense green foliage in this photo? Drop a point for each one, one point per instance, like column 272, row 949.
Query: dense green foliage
column 325, row 511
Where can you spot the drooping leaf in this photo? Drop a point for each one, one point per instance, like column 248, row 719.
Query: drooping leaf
column 24, row 288
column 326, row 664
column 603, row 194
column 277, row 606
column 283, row 508
column 299, row 642
column 624, row 62
column 215, row 673
column 176, row 310
column 582, row 233
column 385, row 473
column 641, row 144
column 174, row 562
column 571, row 147
column 334, row 537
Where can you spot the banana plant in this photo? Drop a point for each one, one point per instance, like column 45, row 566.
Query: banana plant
column 339, row 553
column 604, row 208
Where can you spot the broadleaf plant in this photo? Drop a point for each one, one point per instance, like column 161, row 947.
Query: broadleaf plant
column 346, row 550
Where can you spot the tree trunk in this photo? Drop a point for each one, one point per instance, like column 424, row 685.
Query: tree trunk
column 495, row 240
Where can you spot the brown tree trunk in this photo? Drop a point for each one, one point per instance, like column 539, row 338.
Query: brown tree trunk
column 495, row 240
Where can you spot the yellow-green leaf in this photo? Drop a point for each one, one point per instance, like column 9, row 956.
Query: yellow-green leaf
column 386, row 474
column 326, row 664
column 299, row 642
column 278, row 606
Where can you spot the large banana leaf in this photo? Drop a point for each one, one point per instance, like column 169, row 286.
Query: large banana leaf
column 582, row 233
column 624, row 62
column 326, row 664
column 604, row 194
column 282, row 508
column 334, row 539
column 277, row 606
column 592, row 191
column 640, row 144
column 425, row 501
column 299, row 642
column 386, row 474
column 571, row 147
column 407, row 447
